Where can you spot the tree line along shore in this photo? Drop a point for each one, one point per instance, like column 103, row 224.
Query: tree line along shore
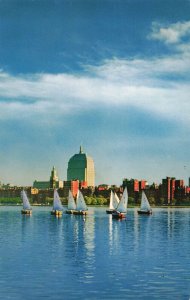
column 91, row 200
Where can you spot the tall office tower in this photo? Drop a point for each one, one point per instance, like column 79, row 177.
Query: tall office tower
column 81, row 167
column 168, row 189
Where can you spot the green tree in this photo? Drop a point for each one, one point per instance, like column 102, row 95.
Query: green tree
column 100, row 201
column 94, row 201
column 88, row 200
column 131, row 201
column 162, row 201
column 152, row 201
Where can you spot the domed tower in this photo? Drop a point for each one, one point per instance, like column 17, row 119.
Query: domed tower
column 81, row 167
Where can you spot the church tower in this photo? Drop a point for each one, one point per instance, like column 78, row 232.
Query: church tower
column 53, row 178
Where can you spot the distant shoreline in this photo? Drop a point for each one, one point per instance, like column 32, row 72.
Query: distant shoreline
column 98, row 205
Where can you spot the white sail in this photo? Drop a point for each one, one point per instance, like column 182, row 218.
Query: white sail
column 71, row 202
column 80, row 203
column 115, row 201
column 144, row 202
column 122, row 206
column 111, row 206
column 57, row 205
column 26, row 203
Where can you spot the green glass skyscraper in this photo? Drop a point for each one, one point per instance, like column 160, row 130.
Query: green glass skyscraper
column 81, row 167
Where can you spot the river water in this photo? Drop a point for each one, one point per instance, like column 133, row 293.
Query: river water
column 142, row 257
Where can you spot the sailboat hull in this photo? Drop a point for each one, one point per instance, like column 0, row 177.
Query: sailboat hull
column 144, row 212
column 57, row 213
column 26, row 211
column 109, row 211
column 79, row 212
column 69, row 211
column 118, row 215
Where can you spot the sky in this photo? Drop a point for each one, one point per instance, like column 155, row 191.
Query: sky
column 110, row 75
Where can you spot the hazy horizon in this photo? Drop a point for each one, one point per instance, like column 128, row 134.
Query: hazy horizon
column 110, row 75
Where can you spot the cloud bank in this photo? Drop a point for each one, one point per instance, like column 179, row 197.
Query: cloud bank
column 159, row 85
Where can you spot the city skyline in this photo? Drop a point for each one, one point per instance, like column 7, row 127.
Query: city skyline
column 112, row 75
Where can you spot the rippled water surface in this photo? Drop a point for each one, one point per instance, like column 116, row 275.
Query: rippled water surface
column 142, row 257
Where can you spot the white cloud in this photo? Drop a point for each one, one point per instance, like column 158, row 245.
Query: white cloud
column 171, row 34
column 159, row 85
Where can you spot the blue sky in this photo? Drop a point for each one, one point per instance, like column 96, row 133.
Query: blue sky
column 113, row 75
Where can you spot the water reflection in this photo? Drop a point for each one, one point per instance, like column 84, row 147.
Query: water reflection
column 83, row 234
column 136, row 223
column 114, row 227
column 136, row 230
column 144, row 257
column 110, row 232
column 89, row 235
column 171, row 222
column 26, row 224
column 143, row 225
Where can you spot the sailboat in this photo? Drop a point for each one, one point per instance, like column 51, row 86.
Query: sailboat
column 121, row 209
column 71, row 204
column 81, row 208
column 57, row 205
column 145, row 206
column 117, row 198
column 114, row 200
column 27, row 210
